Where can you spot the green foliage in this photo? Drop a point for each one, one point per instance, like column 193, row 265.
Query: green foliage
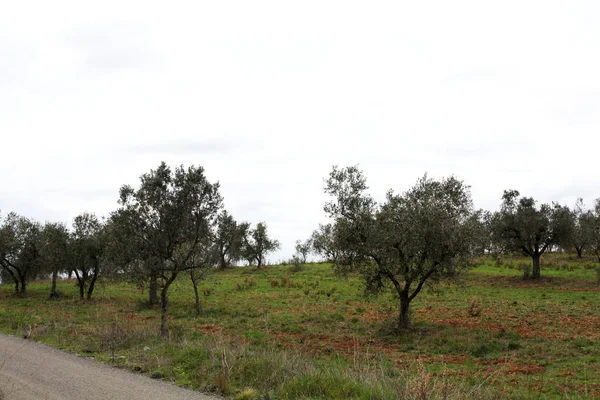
column 303, row 249
column 21, row 241
column 229, row 239
column 584, row 226
column 86, row 246
column 257, row 244
column 323, row 242
column 521, row 226
column 170, row 218
column 423, row 235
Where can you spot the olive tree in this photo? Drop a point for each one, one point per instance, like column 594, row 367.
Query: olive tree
column 522, row 226
column 583, row 228
column 420, row 237
column 257, row 244
column 20, row 249
column 170, row 215
column 323, row 242
column 55, row 252
column 86, row 248
column 229, row 239
column 303, row 249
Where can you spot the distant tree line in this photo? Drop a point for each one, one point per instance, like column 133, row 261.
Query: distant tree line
column 172, row 223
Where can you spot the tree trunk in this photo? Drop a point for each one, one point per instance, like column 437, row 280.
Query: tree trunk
column 222, row 260
column 404, row 316
column 579, row 251
column 163, row 311
column 535, row 274
column 53, row 291
column 153, row 289
column 23, row 282
column 164, row 328
column 195, row 284
column 16, row 280
column 92, row 285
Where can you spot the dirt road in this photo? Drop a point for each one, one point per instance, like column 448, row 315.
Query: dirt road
column 33, row 371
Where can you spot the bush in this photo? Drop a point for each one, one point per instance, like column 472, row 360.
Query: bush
column 474, row 308
column 246, row 284
column 525, row 267
column 296, row 265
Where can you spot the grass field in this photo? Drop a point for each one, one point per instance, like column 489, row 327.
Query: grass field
column 274, row 333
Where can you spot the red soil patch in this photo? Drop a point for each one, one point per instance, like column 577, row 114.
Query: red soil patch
column 208, row 329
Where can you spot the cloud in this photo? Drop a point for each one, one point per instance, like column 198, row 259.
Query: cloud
column 111, row 47
column 268, row 96
column 193, row 146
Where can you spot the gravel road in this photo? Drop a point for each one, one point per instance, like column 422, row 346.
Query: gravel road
column 33, row 371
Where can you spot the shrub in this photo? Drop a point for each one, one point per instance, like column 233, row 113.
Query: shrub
column 296, row 265
column 525, row 267
column 474, row 308
column 246, row 284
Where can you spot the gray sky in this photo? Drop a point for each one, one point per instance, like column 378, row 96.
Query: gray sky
column 267, row 96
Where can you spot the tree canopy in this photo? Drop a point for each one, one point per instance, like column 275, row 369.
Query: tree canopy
column 424, row 235
column 522, row 226
column 170, row 215
column 257, row 244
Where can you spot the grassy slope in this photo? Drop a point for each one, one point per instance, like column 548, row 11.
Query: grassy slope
column 310, row 334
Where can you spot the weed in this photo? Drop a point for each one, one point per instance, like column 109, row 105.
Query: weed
column 525, row 267
column 474, row 308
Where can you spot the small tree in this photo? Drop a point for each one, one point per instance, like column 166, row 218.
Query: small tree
column 422, row 236
column 20, row 249
column 303, row 249
column 171, row 214
column 86, row 247
column 257, row 244
column 583, row 228
column 484, row 241
column 55, row 251
column 229, row 239
column 522, row 226
column 323, row 242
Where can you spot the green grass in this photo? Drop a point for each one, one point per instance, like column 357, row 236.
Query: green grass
column 311, row 334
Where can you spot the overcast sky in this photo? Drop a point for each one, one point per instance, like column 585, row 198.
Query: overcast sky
column 267, row 96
